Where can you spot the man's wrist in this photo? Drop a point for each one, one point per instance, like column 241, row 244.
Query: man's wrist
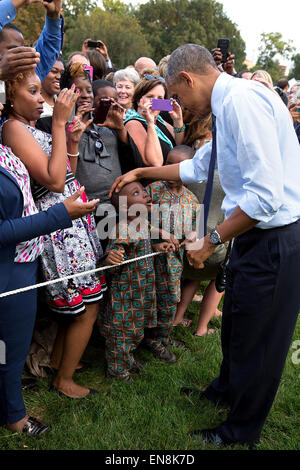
column 208, row 243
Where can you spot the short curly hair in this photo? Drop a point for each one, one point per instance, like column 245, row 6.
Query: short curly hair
column 12, row 85
column 72, row 71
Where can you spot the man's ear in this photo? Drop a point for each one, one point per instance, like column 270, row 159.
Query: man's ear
column 186, row 78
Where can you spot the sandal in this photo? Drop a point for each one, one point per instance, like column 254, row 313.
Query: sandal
column 185, row 322
column 33, row 427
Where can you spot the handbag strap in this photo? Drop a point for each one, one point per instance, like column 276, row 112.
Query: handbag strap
column 211, row 170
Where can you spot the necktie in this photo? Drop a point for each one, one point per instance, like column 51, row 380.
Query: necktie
column 211, row 170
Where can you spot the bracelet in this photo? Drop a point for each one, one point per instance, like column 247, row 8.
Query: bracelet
column 181, row 129
column 71, row 155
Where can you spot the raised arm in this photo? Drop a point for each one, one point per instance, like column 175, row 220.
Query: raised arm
column 48, row 172
column 49, row 43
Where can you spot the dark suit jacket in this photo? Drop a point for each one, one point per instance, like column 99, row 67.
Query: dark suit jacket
column 14, row 228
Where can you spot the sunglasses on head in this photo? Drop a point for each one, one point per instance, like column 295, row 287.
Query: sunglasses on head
column 147, row 76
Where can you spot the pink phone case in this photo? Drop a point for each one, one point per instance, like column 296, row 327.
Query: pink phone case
column 89, row 68
column 161, row 105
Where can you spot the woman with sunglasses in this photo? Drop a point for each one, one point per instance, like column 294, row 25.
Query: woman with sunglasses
column 66, row 252
column 150, row 136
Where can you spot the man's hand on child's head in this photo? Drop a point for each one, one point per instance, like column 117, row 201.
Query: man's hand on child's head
column 115, row 257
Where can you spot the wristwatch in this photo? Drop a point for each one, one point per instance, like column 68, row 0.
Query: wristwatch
column 214, row 238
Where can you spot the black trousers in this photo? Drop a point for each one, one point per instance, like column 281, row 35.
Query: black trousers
column 261, row 306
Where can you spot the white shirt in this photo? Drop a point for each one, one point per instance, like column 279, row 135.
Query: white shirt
column 258, row 153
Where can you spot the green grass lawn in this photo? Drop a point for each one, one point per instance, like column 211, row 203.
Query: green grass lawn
column 150, row 414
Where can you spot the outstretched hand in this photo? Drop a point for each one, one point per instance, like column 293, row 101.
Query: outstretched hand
column 77, row 208
column 166, row 247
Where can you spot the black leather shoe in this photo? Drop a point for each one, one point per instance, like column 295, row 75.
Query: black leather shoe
column 213, row 436
column 33, row 427
column 209, row 436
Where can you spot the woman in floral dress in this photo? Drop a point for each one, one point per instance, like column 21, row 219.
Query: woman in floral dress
column 66, row 252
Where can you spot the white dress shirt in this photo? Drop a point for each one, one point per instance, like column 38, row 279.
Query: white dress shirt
column 258, row 153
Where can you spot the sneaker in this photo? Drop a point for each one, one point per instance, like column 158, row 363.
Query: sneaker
column 136, row 367
column 163, row 354
column 33, row 427
column 123, row 378
column 173, row 343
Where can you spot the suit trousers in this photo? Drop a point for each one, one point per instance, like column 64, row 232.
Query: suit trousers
column 261, row 306
column 17, row 317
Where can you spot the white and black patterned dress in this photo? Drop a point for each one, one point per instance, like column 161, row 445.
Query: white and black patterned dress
column 69, row 251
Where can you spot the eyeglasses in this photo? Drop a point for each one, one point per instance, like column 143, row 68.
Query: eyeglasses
column 147, row 76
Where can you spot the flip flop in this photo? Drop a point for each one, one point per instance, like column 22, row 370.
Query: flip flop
column 185, row 322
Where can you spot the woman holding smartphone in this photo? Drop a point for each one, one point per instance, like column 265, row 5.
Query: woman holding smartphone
column 150, row 136
column 66, row 252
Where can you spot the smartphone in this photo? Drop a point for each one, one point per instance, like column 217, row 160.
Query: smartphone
column 89, row 70
column 223, row 44
column 93, row 44
column 101, row 110
column 161, row 105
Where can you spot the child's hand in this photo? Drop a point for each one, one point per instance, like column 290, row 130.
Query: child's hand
column 168, row 236
column 167, row 247
column 115, row 257
column 190, row 238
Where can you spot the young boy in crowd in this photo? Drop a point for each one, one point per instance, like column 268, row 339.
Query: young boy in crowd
column 178, row 215
column 132, row 299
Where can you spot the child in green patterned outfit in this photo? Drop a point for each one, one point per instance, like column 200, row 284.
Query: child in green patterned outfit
column 132, row 300
column 178, row 208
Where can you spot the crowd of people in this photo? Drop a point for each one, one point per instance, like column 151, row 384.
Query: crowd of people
column 77, row 135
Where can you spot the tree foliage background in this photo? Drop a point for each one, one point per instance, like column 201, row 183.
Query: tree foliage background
column 272, row 46
column 153, row 29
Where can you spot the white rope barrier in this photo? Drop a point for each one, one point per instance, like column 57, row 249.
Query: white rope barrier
column 66, row 278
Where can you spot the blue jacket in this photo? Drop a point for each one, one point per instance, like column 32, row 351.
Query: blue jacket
column 14, row 228
column 49, row 43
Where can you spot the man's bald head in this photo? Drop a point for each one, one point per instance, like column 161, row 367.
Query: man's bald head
column 144, row 63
